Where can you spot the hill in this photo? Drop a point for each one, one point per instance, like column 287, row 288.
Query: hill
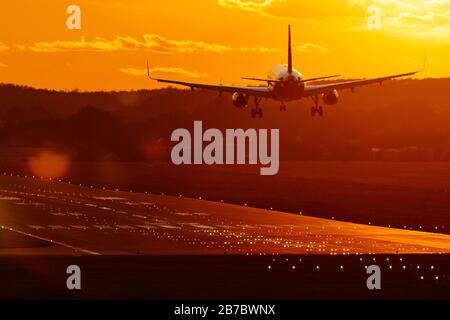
column 405, row 120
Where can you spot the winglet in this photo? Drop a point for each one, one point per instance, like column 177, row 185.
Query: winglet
column 289, row 51
column 424, row 66
column 148, row 74
column 425, row 61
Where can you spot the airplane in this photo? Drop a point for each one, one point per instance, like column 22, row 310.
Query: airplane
column 285, row 84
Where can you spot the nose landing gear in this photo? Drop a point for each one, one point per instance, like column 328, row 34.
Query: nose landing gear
column 257, row 111
column 283, row 107
column 316, row 109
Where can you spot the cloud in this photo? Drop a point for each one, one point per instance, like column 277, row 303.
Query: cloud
column 3, row 47
column 259, row 49
column 248, row 5
column 311, row 47
column 404, row 4
column 163, row 71
column 411, row 14
column 292, row 10
column 259, row 7
column 2, row 65
column 424, row 20
column 150, row 42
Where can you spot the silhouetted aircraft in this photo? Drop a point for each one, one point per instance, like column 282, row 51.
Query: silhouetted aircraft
column 284, row 84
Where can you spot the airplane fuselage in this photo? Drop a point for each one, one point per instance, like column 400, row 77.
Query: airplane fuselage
column 286, row 87
column 286, row 84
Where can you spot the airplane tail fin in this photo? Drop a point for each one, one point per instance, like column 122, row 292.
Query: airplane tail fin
column 289, row 51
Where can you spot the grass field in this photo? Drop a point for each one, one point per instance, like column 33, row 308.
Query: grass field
column 226, row 277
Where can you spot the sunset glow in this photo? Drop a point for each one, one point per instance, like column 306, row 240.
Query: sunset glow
column 215, row 40
column 49, row 164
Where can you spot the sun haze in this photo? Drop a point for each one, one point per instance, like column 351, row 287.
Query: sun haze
column 216, row 40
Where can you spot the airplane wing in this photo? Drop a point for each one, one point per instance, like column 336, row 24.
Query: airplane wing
column 314, row 90
column 264, row 92
column 251, row 91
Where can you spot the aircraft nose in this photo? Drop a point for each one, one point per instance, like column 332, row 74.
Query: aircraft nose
column 289, row 78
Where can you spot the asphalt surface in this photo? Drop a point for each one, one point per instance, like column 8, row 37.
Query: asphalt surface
column 50, row 217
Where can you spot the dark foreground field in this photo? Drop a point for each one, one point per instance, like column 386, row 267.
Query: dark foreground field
column 408, row 195
column 226, row 277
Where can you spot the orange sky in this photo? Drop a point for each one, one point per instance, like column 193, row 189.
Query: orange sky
column 210, row 40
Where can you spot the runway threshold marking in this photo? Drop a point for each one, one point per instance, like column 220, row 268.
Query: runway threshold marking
column 51, row 241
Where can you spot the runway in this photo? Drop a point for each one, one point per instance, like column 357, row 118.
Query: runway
column 56, row 218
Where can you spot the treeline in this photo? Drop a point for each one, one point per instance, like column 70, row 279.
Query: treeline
column 405, row 120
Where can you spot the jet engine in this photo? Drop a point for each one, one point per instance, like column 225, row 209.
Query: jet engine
column 240, row 100
column 331, row 98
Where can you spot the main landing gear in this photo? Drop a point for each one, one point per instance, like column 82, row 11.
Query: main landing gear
column 257, row 111
column 316, row 109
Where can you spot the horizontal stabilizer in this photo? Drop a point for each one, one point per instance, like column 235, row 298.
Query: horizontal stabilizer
column 300, row 80
column 260, row 79
column 319, row 78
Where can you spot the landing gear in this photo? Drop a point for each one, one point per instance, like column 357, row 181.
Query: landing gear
column 257, row 111
column 316, row 109
column 283, row 107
